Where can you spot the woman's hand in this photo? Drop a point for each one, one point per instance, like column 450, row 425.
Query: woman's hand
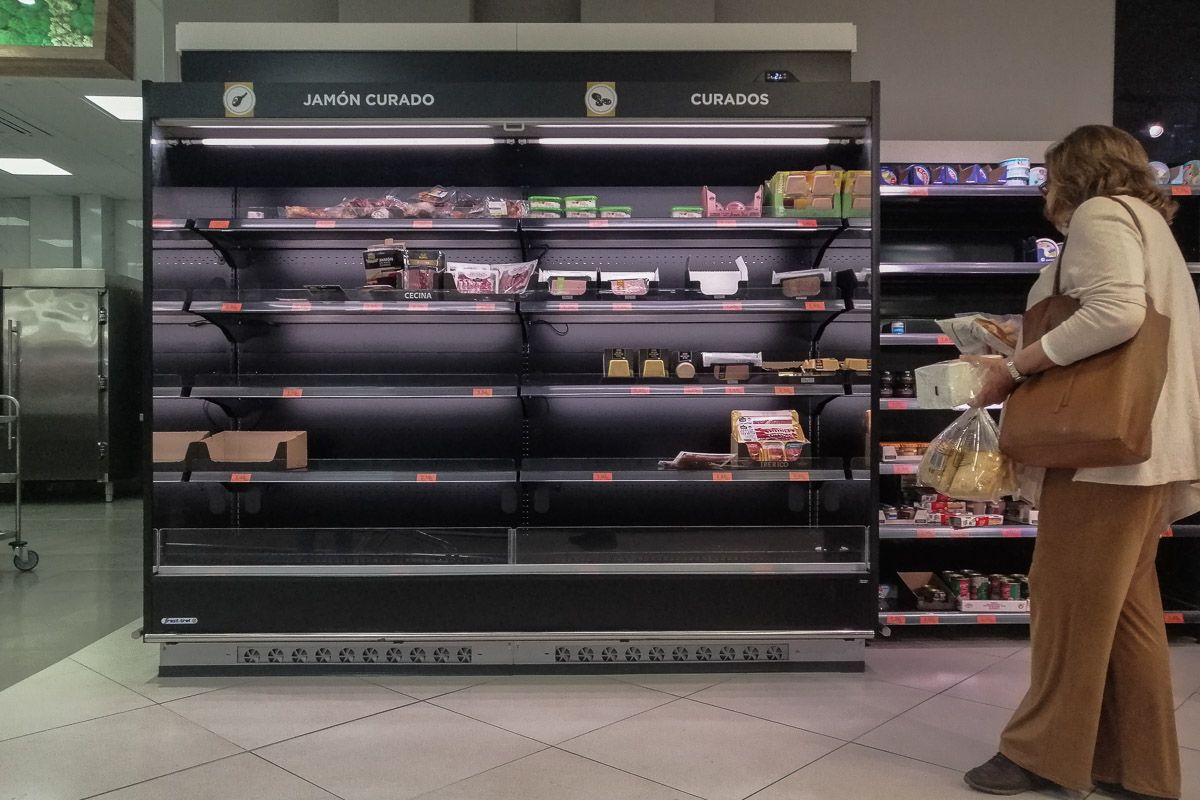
column 998, row 384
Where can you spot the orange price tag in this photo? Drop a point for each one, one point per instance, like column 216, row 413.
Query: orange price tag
column 293, row 391
column 1168, row 533
column 325, row 223
column 1010, row 533
column 481, row 392
column 568, row 306
column 895, row 405
column 231, row 308
column 601, row 476
column 426, row 477
column 806, row 223
column 985, row 619
column 814, row 305
column 904, row 469
column 944, row 340
column 918, row 191
column 422, row 223
column 722, row 476
column 1181, row 191
column 926, row 534
column 485, row 306
column 622, row 306
column 372, row 306
column 735, row 390
column 895, row 619
column 727, row 223
column 241, row 477
column 301, row 305
column 693, row 390
column 785, row 390
column 218, row 224
column 798, row 476
column 959, row 533
column 639, row 390
column 418, row 306
column 1173, row 618
column 930, row 619
column 160, row 223
column 597, row 223
column 731, row 306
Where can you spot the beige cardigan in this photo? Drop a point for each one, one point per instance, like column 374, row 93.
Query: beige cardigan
column 1110, row 269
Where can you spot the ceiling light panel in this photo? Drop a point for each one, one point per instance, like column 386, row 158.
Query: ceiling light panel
column 128, row 109
column 30, row 166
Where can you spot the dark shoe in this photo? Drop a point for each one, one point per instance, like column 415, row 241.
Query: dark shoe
column 1001, row 775
column 1114, row 789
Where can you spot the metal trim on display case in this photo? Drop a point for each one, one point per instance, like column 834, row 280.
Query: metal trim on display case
column 502, row 636
column 347, row 570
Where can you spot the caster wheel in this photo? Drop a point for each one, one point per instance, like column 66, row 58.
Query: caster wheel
column 27, row 563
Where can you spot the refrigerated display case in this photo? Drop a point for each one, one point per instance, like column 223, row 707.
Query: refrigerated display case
column 478, row 491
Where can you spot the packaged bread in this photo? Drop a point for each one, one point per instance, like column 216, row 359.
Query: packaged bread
column 965, row 462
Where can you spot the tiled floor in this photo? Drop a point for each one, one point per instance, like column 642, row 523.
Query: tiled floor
column 100, row 724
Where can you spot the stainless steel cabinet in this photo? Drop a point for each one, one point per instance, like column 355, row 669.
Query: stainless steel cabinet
column 56, row 362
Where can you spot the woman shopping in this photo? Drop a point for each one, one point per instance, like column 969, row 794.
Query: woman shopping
column 1099, row 710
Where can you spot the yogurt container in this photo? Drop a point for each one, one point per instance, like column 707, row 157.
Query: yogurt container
column 546, row 214
column 581, row 212
column 613, row 212
column 1016, row 171
column 581, row 201
column 1186, row 174
column 544, row 202
column 679, row 212
column 975, row 173
column 917, row 175
column 1037, row 176
column 888, row 176
column 1162, row 173
column 945, row 174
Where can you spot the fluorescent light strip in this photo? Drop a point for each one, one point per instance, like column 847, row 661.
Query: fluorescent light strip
column 128, row 109
column 345, row 142
column 30, row 166
column 690, row 141
column 387, row 127
column 691, row 125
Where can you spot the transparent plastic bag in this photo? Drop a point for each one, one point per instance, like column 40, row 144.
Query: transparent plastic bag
column 964, row 462
column 981, row 334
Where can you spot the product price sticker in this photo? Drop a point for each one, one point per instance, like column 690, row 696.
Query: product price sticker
column 1181, row 191
column 693, row 390
column 895, row 619
column 735, row 390
column 986, row 619
column 218, row 224
column 959, row 533
column 566, row 306
column 727, row 223
column 597, row 223
column 301, row 305
column 1010, row 533
column 924, row 533
column 481, row 392
column 293, row 391
column 785, row 390
column 639, row 390
column 806, row 223
column 1173, row 618
column 485, row 306
column 427, row 477
column 325, row 223
column 814, row 305
column 422, row 223
column 945, row 340
column 417, row 306
column 722, row 476
column 801, row 477
column 601, row 477
column 622, row 306
column 930, row 619
column 372, row 306
column 231, row 308
column 895, row 405
column 241, row 477
column 731, row 306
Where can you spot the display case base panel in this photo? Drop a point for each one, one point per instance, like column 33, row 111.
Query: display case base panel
column 750, row 652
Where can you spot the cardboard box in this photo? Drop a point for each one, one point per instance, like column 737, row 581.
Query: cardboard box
column 910, row 582
column 251, row 450
column 994, row 606
column 171, row 447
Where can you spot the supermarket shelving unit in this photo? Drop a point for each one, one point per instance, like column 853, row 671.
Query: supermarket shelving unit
column 951, row 249
column 477, row 494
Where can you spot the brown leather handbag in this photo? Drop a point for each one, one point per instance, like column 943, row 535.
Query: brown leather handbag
column 1096, row 412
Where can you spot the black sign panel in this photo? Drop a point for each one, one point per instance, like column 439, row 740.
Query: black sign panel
column 507, row 101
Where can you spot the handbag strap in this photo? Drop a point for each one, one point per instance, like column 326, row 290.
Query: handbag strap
column 1062, row 253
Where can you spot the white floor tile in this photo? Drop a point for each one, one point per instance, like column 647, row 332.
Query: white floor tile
column 932, row 669
column 555, row 775
column 855, row 771
column 957, row 734
column 133, row 664
column 104, row 754
column 1003, row 684
column 246, row 775
column 263, row 711
column 841, row 706
column 60, row 695
column 552, row 708
column 1185, row 670
column 1190, row 761
column 703, row 750
column 423, row 687
column 399, row 754
column 679, row 684
column 1187, row 721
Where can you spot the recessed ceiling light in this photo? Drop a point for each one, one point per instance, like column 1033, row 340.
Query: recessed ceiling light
column 58, row 242
column 124, row 108
column 1156, row 130
column 30, row 166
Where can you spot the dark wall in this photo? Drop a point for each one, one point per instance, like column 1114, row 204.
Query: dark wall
column 1157, row 75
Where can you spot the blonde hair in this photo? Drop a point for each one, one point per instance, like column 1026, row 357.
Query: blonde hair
column 1100, row 161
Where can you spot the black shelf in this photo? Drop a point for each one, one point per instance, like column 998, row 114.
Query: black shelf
column 589, row 386
column 298, row 304
column 752, row 303
column 926, row 618
column 593, row 470
column 915, row 340
column 368, row 471
column 269, row 387
column 962, row 190
column 376, row 227
column 971, row 268
column 1009, row 530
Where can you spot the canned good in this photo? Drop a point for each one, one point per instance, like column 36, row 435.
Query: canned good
column 1017, row 588
column 898, row 327
column 980, row 588
column 960, row 586
column 1002, row 589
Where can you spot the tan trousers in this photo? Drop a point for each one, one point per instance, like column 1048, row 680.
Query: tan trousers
column 1099, row 706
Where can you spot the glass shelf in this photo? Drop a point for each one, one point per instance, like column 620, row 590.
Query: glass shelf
column 1009, row 530
column 706, row 386
column 756, row 300
column 585, row 470
column 915, row 340
column 368, row 471
column 961, row 190
column 359, row 303
column 350, row 386
column 977, row 268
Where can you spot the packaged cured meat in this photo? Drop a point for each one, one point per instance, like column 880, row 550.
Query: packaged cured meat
column 475, row 279
column 770, row 438
column 689, row 460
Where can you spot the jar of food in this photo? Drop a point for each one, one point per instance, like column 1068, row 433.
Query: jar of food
column 885, row 385
column 906, row 384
